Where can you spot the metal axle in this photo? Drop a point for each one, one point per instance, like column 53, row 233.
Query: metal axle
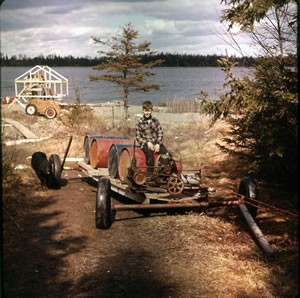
column 122, row 207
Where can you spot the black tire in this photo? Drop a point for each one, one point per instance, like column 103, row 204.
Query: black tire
column 31, row 110
column 55, row 166
column 50, row 113
column 248, row 188
column 104, row 215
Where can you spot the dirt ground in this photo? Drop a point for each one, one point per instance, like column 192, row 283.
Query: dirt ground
column 51, row 247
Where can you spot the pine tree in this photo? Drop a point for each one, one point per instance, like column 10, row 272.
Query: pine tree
column 262, row 109
column 123, row 64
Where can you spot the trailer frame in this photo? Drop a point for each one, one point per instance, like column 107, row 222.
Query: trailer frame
column 145, row 202
column 157, row 198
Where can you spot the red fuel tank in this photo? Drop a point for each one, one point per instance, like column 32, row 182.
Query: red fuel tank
column 99, row 149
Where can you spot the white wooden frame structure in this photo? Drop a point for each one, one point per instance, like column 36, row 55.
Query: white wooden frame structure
column 40, row 82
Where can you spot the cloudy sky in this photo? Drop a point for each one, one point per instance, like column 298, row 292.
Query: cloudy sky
column 43, row 27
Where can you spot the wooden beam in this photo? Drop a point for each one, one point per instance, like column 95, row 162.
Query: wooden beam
column 21, row 128
column 17, row 142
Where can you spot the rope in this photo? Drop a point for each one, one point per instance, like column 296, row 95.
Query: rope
column 265, row 204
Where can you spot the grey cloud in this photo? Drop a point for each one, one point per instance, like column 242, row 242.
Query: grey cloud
column 20, row 4
column 17, row 4
column 9, row 23
column 66, row 26
column 169, row 10
column 59, row 10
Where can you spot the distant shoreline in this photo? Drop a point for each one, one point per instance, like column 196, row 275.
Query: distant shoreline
column 169, row 60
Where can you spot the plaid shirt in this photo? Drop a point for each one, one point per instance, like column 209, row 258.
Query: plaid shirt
column 148, row 130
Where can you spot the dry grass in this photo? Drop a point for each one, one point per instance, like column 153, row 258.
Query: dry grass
column 208, row 255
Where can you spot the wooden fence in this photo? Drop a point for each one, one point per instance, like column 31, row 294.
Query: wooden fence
column 183, row 106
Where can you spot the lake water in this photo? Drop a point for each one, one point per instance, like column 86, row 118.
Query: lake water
column 176, row 83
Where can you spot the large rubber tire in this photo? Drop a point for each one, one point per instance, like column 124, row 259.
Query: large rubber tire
column 55, row 166
column 104, row 216
column 248, row 188
column 50, row 113
column 31, row 110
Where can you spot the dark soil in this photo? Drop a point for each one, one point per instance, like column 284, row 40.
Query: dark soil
column 52, row 249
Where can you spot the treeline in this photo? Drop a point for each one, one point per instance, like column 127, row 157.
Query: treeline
column 185, row 60
column 170, row 60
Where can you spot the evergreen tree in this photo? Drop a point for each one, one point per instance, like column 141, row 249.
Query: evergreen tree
column 262, row 109
column 123, row 64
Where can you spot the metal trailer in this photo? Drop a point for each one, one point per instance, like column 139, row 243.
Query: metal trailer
column 169, row 187
column 119, row 167
column 147, row 198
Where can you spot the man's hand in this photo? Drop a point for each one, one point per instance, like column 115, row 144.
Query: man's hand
column 156, row 148
column 150, row 146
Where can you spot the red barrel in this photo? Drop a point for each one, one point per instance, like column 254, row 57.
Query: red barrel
column 7, row 99
column 125, row 158
column 87, row 144
column 99, row 149
column 113, row 158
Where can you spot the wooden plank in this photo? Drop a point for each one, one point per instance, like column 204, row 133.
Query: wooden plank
column 93, row 172
column 125, row 191
column 17, row 142
column 74, row 159
column 13, row 103
column 21, row 128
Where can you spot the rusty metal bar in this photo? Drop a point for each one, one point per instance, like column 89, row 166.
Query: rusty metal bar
column 123, row 207
column 66, row 153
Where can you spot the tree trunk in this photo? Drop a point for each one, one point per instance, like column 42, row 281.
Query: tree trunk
column 125, row 100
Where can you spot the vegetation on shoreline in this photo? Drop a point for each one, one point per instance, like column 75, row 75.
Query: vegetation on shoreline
column 170, row 60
